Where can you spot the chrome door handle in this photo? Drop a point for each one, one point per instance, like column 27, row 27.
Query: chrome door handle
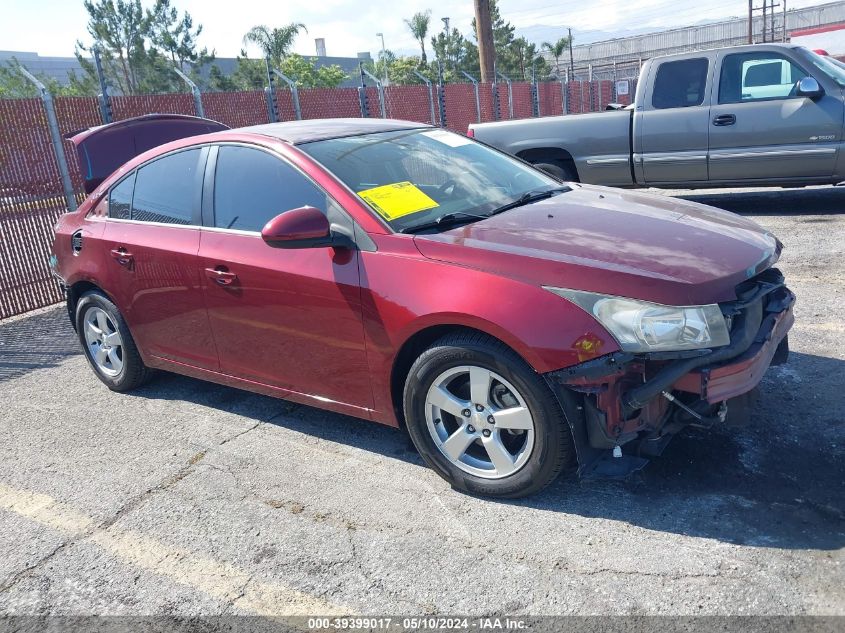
column 221, row 275
column 122, row 256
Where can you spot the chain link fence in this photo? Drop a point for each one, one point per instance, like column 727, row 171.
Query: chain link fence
column 34, row 190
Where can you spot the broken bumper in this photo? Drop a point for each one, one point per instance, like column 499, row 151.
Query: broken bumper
column 742, row 373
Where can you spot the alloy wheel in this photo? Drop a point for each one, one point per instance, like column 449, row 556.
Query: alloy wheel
column 479, row 421
column 105, row 346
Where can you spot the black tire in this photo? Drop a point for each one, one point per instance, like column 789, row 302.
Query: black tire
column 560, row 172
column 134, row 373
column 553, row 449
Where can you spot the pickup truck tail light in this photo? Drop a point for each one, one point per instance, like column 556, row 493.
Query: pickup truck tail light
column 470, row 132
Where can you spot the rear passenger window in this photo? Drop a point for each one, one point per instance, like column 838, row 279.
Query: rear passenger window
column 680, row 84
column 120, row 199
column 252, row 187
column 166, row 189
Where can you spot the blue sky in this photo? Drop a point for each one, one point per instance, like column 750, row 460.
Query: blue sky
column 51, row 27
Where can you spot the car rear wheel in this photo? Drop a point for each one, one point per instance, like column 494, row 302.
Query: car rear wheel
column 484, row 420
column 108, row 345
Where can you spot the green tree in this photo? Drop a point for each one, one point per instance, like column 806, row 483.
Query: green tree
column 251, row 74
column 418, row 24
column 401, row 71
column 219, row 82
column 306, row 74
column 139, row 47
column 178, row 38
column 385, row 58
column 525, row 57
column 119, row 28
column 13, row 85
column 455, row 53
column 274, row 43
column 557, row 50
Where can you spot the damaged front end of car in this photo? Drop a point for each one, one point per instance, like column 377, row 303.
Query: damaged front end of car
column 624, row 407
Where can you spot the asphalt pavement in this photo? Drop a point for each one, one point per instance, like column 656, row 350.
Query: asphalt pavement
column 187, row 498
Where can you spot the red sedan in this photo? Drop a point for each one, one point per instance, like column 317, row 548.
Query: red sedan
column 515, row 325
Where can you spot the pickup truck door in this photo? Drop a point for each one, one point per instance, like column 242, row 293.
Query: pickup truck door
column 672, row 122
column 760, row 129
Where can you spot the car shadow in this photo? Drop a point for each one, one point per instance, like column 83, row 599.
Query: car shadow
column 826, row 200
column 775, row 482
column 36, row 341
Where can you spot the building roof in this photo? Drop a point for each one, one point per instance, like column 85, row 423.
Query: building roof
column 297, row 132
column 61, row 68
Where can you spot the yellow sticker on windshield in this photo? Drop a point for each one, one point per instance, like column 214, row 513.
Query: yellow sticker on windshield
column 397, row 200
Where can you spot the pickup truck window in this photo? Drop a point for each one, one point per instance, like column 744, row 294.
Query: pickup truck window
column 680, row 84
column 754, row 76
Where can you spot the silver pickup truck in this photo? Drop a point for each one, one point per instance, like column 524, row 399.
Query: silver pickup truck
column 769, row 114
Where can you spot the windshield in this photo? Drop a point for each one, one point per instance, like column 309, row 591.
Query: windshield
column 413, row 177
column 829, row 66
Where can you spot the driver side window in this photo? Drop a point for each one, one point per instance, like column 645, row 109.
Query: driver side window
column 252, row 186
column 756, row 76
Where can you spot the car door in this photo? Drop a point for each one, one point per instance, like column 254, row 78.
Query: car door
column 761, row 130
column 671, row 125
column 152, row 238
column 289, row 318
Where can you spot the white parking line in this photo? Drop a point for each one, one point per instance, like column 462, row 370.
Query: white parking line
column 212, row 577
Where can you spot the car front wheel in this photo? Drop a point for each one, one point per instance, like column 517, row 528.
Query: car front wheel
column 484, row 420
column 109, row 347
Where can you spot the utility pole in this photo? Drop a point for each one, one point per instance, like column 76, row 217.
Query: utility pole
column 750, row 21
column 772, row 38
column 764, row 21
column 484, row 33
column 767, row 32
column 571, row 59
column 383, row 57
column 445, row 40
column 783, row 39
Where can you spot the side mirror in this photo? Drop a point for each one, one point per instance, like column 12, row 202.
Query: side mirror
column 305, row 227
column 809, row 87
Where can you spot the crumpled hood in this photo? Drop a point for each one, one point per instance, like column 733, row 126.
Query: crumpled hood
column 617, row 242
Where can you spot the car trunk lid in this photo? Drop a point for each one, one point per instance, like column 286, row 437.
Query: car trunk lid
column 102, row 149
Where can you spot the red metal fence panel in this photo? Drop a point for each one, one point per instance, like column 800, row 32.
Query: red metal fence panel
column 126, row 107
column 30, row 202
column 460, row 107
column 411, row 103
column 326, row 103
column 235, row 109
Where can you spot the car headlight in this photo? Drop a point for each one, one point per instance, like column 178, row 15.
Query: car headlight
column 641, row 326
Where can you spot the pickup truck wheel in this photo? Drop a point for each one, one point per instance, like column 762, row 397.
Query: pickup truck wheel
column 109, row 347
column 484, row 420
column 558, row 172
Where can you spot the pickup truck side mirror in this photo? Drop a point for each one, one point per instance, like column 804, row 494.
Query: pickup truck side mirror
column 808, row 87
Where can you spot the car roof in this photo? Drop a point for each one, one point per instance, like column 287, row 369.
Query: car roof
column 296, row 132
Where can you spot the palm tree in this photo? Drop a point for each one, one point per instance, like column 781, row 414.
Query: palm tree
column 275, row 43
column 557, row 50
column 418, row 24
